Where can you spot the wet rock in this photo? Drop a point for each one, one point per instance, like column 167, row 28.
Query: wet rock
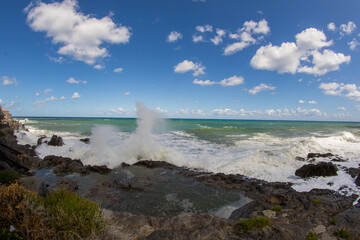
column 357, row 181
column 354, row 172
column 319, row 155
column 41, row 140
column 350, row 220
column 56, row 141
column 300, row 159
column 322, row 169
column 36, row 185
column 134, row 184
column 102, row 169
column 123, row 164
column 68, row 184
column 245, row 211
column 85, row 140
column 155, row 164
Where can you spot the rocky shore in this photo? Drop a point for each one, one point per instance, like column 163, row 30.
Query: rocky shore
column 286, row 213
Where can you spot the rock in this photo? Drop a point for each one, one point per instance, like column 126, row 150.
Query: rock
column 245, row 211
column 36, row 185
column 155, row 164
column 56, row 141
column 354, row 172
column 300, row 159
column 68, row 184
column 103, row 169
column 269, row 213
column 41, row 140
column 123, row 164
column 327, row 236
column 64, row 166
column 146, row 230
column 85, row 140
column 319, row 155
column 320, row 229
column 357, row 181
column 134, row 184
column 322, row 169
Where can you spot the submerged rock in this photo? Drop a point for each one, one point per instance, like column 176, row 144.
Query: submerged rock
column 321, row 169
column 56, row 141
column 319, row 155
column 85, row 140
column 41, row 140
column 155, row 164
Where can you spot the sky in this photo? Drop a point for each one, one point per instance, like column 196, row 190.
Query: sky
column 259, row 59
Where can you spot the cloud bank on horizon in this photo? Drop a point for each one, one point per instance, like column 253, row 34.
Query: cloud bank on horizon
column 186, row 66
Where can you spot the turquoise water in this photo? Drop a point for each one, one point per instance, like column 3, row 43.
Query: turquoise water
column 217, row 131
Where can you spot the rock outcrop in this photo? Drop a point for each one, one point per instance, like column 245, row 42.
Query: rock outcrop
column 56, row 141
column 322, row 169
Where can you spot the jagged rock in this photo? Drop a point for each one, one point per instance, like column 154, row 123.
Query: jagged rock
column 319, row 155
column 155, row 164
column 41, row 140
column 63, row 166
column 56, row 141
column 85, row 140
column 300, row 159
column 357, row 181
column 354, row 172
column 322, row 169
column 68, row 184
column 35, row 184
column 123, row 164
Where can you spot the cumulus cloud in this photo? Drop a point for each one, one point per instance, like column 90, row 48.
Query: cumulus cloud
column 350, row 91
column 6, row 81
column 219, row 35
column 348, row 28
column 174, row 36
column 301, row 101
column 227, row 82
column 40, row 103
column 331, row 26
column 341, row 108
column 186, row 66
column 126, row 93
column 205, row 28
column 73, row 81
column 260, row 88
column 353, row 44
column 119, row 110
column 75, row 95
column 260, row 27
column 235, row 47
column 232, row 81
column 198, row 38
column 80, row 36
column 118, row 70
column 312, row 102
column 48, row 90
column 204, row 82
column 291, row 57
column 99, row 66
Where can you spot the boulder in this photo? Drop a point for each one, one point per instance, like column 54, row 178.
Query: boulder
column 68, row 184
column 319, row 155
column 36, row 185
column 41, row 140
column 354, row 172
column 154, row 164
column 103, row 169
column 56, row 141
column 322, row 169
column 85, row 140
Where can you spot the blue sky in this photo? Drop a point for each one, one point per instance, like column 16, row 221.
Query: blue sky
column 198, row 59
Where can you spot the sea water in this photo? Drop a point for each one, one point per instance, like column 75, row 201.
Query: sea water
column 259, row 149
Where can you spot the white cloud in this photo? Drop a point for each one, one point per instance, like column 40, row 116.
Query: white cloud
column 40, row 103
column 6, row 81
column 301, row 101
column 50, row 99
column 99, row 66
column 75, row 95
column 312, row 102
column 331, row 26
column 219, row 35
column 118, row 70
column 342, row 115
column 204, row 83
column 48, row 90
column 205, row 28
column 348, row 28
column 73, row 81
column 353, row 44
column 186, row 66
column 1, row 101
column 81, row 36
column 57, row 60
column 126, row 93
column 37, row 94
column 174, row 36
column 120, row 110
column 260, row 27
column 62, row 98
column 198, row 38
column 288, row 57
column 158, row 109
column 235, row 47
column 350, row 91
column 232, row 81
column 341, row 108
column 260, row 88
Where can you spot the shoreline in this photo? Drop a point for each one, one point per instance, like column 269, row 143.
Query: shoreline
column 299, row 216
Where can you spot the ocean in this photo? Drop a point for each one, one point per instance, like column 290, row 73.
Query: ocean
column 258, row 149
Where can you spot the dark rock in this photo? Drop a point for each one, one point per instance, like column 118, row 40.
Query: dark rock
column 300, row 159
column 245, row 211
column 357, row 180
column 123, row 164
column 354, row 172
column 134, row 184
column 322, row 169
column 68, row 184
column 41, row 140
column 56, row 141
column 85, row 140
column 319, row 155
column 103, row 169
column 155, row 164
column 36, row 185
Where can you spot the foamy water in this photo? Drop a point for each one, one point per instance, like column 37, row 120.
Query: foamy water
column 262, row 155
